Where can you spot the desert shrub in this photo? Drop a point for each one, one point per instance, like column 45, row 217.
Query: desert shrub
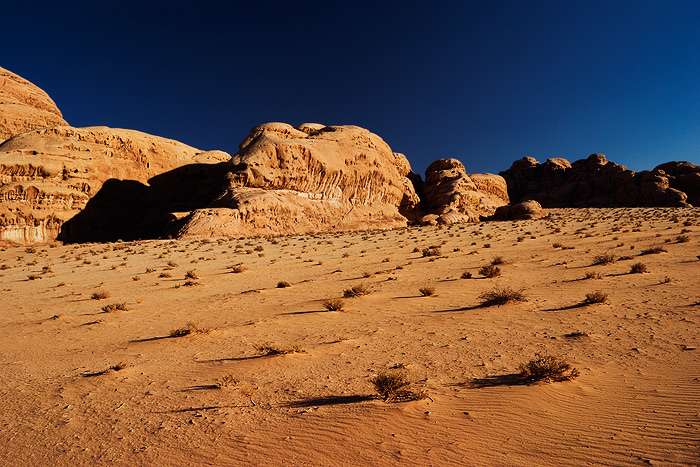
column 366, row 274
column 165, row 274
column 490, row 271
column 432, row 251
column 576, row 335
column 593, row 275
column 556, row 245
column 497, row 260
column 547, row 368
column 487, row 245
column 33, row 277
column 46, row 270
column 190, row 328
column 191, row 274
column 334, row 304
column 596, row 297
column 393, row 385
column 605, row 258
column 427, row 291
column 653, row 250
column 172, row 264
column 237, row 268
column 149, row 270
column 118, row 367
column 227, row 381
column 466, row 275
column 501, row 296
column 356, row 291
column 283, row 284
column 266, row 348
column 115, row 307
column 682, row 239
column 638, row 268
column 99, row 295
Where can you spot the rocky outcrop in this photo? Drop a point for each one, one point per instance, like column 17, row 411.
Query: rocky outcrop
column 452, row 196
column 591, row 182
column 24, row 106
column 520, row 211
column 48, row 175
column 683, row 176
column 312, row 177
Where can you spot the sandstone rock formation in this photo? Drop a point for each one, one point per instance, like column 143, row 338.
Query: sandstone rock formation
column 311, row 177
column 24, row 107
column 452, row 196
column 48, row 175
column 683, row 176
column 520, row 211
column 591, row 182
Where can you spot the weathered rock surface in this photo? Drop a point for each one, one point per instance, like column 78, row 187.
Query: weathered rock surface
column 520, row 211
column 452, row 196
column 591, row 182
column 312, row 177
column 683, row 176
column 24, row 106
column 48, row 175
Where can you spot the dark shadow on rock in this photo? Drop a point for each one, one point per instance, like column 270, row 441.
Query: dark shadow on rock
column 129, row 210
column 330, row 400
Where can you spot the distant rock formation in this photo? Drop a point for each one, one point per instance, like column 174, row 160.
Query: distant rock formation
column 591, row 182
column 451, row 196
column 24, row 106
column 48, row 175
column 520, row 211
column 287, row 180
column 683, row 176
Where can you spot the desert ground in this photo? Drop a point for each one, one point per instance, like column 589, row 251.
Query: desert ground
column 94, row 372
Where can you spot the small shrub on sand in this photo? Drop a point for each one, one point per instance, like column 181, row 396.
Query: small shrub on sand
column 653, row 250
column 596, row 297
column 227, row 381
column 266, row 348
column 490, row 271
column 638, row 268
column 334, row 304
column 432, row 251
column 427, row 291
column 605, row 258
column 498, row 260
column 238, row 268
column 99, row 295
column 33, row 277
column 191, row 274
column 593, row 275
column 283, row 284
column 356, row 291
column 466, row 275
column 190, row 328
column 393, row 385
column 501, row 296
column 547, row 368
column 115, row 307
column 118, row 367
column 165, row 275
column 682, row 239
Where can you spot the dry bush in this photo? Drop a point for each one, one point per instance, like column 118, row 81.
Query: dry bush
column 115, row 307
column 653, row 250
column 33, row 277
column 605, row 258
column 267, row 348
column 190, row 283
column 596, row 297
column 190, row 328
column 394, row 385
column 576, row 335
column 99, row 295
column 498, row 260
column 118, row 367
column 356, row 291
column 466, row 275
column 238, row 268
column 427, row 291
column 682, row 239
column 191, row 274
column 283, row 284
column 432, row 251
column 490, row 271
column 501, row 296
column 638, row 268
column 165, row 274
column 593, row 275
column 334, row 304
column 227, row 381
column 547, row 368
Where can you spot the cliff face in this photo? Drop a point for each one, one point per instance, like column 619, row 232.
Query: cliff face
column 24, row 106
column 311, row 177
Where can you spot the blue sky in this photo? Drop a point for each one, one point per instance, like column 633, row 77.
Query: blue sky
column 487, row 82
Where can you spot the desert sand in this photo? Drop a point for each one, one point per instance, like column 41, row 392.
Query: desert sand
column 211, row 398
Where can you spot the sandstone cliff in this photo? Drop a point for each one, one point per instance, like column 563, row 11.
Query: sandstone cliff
column 312, row 177
column 24, row 106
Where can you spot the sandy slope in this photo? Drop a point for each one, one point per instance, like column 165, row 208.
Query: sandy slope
column 637, row 401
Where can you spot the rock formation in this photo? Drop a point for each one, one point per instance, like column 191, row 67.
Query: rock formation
column 48, row 175
column 312, row 177
column 452, row 196
column 683, row 176
column 591, row 182
column 24, row 107
column 520, row 211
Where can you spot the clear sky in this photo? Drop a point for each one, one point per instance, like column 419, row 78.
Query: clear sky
column 487, row 82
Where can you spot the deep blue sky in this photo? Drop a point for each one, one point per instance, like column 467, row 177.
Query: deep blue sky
column 486, row 82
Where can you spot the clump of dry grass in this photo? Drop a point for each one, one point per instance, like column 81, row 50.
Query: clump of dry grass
column 466, row 275
column 547, row 368
column 682, row 239
column 191, row 274
column 638, row 268
column 334, row 304
column 115, row 307
column 498, row 260
column 357, row 291
column 490, row 271
column 165, row 275
column 190, row 328
column 501, row 296
column 427, row 291
column 119, row 366
column 99, row 295
column 603, row 259
column 227, row 381
column 283, row 284
column 653, row 250
column 593, row 275
column 596, row 297
column 395, row 385
column 33, row 277
column 267, row 348
column 238, row 268
column 432, row 251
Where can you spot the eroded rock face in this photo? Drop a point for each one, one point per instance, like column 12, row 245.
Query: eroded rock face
column 683, row 176
column 520, row 211
column 48, row 175
column 591, row 182
column 312, row 177
column 24, row 106
column 452, row 196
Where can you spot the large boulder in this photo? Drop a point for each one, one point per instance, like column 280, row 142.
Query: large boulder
column 590, row 182
column 452, row 196
column 288, row 180
column 683, row 176
column 24, row 106
column 48, row 175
